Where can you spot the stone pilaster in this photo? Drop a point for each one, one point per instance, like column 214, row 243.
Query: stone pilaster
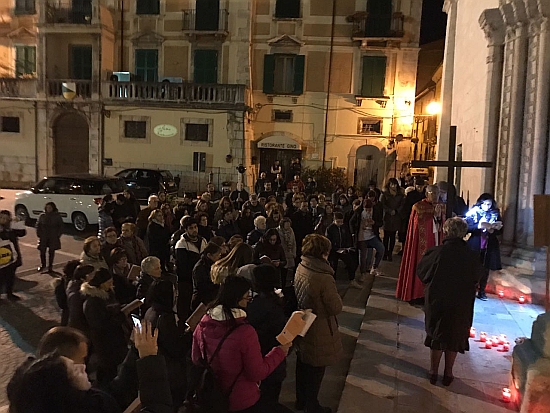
column 492, row 24
column 515, row 69
column 450, row 7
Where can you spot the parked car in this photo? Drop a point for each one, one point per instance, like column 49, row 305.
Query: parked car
column 144, row 182
column 77, row 197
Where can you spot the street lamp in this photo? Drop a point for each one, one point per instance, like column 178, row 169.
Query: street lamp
column 433, row 108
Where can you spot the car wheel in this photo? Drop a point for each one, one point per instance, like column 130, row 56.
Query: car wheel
column 22, row 213
column 79, row 221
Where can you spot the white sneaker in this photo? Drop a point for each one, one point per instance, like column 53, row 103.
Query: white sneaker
column 355, row 284
column 376, row 271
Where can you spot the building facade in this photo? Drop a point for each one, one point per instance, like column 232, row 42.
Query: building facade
column 200, row 87
column 495, row 89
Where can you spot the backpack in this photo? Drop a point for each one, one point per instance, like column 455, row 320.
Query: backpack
column 205, row 394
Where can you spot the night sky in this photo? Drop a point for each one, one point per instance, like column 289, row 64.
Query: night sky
column 434, row 21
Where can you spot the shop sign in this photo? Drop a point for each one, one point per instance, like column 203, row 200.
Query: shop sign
column 165, row 131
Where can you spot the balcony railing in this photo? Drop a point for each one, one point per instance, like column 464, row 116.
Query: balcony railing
column 83, row 87
column 184, row 93
column 213, row 22
column 367, row 28
column 17, row 88
column 67, row 14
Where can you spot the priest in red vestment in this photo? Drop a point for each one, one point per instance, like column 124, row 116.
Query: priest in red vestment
column 425, row 231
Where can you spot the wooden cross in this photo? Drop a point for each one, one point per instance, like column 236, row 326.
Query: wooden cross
column 451, row 164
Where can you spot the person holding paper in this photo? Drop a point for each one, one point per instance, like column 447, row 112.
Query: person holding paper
column 322, row 345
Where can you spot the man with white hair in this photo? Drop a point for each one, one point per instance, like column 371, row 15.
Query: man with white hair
column 150, row 272
column 260, row 224
column 425, row 231
column 143, row 216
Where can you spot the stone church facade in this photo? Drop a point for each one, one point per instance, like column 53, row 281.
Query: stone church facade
column 496, row 90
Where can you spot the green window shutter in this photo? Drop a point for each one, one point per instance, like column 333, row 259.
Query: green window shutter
column 374, row 76
column 299, row 67
column 147, row 7
column 269, row 73
column 31, row 59
column 81, row 62
column 25, row 60
column 206, row 66
column 379, row 18
column 19, row 61
column 146, row 65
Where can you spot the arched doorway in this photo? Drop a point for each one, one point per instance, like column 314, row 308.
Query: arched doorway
column 370, row 165
column 71, row 144
column 281, row 148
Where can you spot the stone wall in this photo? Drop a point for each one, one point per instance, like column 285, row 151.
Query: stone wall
column 17, row 171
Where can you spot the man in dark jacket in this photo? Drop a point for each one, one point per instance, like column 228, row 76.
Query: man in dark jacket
column 342, row 244
column 302, row 224
column 259, row 185
column 254, row 205
column 143, row 217
column 239, row 196
column 188, row 251
column 227, row 226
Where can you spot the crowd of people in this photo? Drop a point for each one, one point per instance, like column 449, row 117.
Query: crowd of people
column 250, row 259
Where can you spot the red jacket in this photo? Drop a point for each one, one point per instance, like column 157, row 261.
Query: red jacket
column 240, row 352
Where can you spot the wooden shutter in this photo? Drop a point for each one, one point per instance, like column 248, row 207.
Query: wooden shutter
column 25, row 60
column 379, row 18
column 206, row 66
column 374, row 76
column 147, row 7
column 207, row 15
column 299, row 67
column 269, row 73
column 147, row 65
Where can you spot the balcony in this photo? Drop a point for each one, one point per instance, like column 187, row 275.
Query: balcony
column 368, row 29
column 68, row 14
column 206, row 23
column 203, row 95
column 83, row 88
column 17, row 88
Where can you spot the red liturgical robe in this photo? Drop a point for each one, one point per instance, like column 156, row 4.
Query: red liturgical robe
column 423, row 233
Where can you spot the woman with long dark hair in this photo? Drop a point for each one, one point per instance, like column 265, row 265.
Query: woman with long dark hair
column 485, row 224
column 392, row 200
column 239, row 364
column 49, row 229
column 204, row 290
column 270, row 251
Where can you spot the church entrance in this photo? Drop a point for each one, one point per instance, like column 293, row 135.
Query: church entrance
column 279, row 148
column 370, row 165
column 71, row 144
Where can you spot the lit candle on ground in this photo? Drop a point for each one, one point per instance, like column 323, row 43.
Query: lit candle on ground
column 483, row 336
column 521, row 299
column 506, row 346
column 489, row 344
column 501, row 294
column 495, row 341
column 506, row 395
column 502, row 339
column 472, row 332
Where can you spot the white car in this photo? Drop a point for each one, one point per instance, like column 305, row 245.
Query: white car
column 77, row 197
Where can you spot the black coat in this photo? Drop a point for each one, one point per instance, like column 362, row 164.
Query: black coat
column 235, row 195
column 302, row 224
column 12, row 235
column 491, row 257
column 60, row 286
column 75, row 303
column 245, row 225
column 266, row 315
column 204, row 290
column 339, row 236
column 227, row 229
column 254, row 236
column 49, row 229
column 109, row 327
column 450, row 273
column 158, row 242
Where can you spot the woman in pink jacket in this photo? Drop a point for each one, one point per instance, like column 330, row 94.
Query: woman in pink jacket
column 239, row 359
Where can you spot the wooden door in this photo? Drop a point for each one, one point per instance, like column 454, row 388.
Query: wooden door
column 206, row 66
column 207, row 16
column 71, row 144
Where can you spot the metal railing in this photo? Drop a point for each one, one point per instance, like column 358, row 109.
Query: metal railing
column 67, row 14
column 175, row 92
column 83, row 87
column 366, row 27
column 17, row 88
column 217, row 21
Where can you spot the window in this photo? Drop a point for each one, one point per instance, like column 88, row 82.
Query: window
column 10, row 124
column 374, row 76
column 135, row 129
column 148, row 7
column 287, row 9
column 206, row 66
column 284, row 74
column 281, row 115
column 24, row 7
column 25, row 60
column 207, row 15
column 369, row 126
column 196, row 132
column 81, row 58
column 147, row 65
column 199, row 161
column 378, row 18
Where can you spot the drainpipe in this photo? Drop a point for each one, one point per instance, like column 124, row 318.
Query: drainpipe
column 36, row 170
column 329, row 78
column 121, row 63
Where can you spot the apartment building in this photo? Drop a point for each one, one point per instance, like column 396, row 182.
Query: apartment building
column 201, row 86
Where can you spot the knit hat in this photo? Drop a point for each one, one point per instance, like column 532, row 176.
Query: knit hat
column 102, row 275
